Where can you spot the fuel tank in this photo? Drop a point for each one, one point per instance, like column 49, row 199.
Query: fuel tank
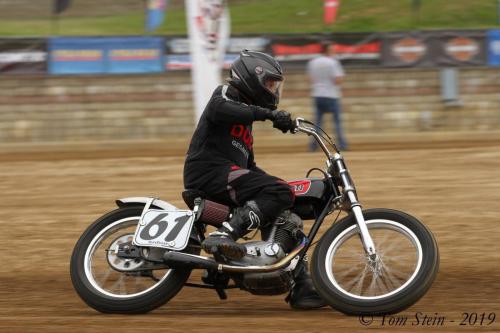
column 309, row 193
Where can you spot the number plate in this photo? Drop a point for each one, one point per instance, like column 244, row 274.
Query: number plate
column 165, row 229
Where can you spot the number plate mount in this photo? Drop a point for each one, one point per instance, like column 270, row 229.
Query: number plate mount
column 168, row 229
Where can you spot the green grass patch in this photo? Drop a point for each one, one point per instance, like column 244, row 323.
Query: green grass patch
column 281, row 16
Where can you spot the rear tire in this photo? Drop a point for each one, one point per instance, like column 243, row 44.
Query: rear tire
column 160, row 293
column 401, row 297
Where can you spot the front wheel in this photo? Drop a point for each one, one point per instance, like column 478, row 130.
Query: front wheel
column 111, row 284
column 406, row 264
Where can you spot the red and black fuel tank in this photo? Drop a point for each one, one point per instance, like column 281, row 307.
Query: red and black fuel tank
column 309, row 194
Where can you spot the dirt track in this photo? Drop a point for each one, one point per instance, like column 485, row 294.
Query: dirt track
column 47, row 204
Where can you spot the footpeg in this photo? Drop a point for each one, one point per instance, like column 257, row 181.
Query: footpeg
column 224, row 246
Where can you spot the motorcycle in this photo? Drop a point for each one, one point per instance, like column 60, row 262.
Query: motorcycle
column 139, row 256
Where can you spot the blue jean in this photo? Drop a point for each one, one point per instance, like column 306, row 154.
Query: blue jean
column 329, row 105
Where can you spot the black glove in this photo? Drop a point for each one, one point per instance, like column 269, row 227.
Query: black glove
column 282, row 120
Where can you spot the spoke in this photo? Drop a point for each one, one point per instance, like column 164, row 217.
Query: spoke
column 123, row 289
column 389, row 277
column 394, row 244
column 350, row 256
column 395, row 257
column 351, row 284
column 373, row 284
column 105, row 276
column 347, row 272
column 382, row 241
column 381, row 286
column 118, row 285
column 395, row 273
column 359, row 284
column 138, row 284
column 399, row 268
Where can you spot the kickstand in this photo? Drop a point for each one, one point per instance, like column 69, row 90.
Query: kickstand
column 218, row 281
column 221, row 293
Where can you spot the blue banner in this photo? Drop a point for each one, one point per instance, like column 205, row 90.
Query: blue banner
column 155, row 14
column 494, row 47
column 136, row 55
column 85, row 55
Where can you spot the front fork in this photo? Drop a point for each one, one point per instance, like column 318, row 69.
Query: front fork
column 350, row 193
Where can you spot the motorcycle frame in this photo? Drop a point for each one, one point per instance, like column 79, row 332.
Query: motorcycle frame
column 338, row 176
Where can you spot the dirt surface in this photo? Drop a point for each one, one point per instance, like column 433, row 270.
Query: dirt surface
column 47, row 204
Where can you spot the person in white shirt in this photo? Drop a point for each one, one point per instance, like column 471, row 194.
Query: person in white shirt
column 326, row 74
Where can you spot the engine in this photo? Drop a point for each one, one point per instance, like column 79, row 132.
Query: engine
column 280, row 238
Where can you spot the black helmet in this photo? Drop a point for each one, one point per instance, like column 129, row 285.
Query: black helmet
column 259, row 77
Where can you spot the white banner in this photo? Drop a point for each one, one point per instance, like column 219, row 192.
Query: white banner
column 208, row 28
column 23, row 56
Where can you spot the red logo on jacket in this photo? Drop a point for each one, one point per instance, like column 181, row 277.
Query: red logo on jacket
column 244, row 134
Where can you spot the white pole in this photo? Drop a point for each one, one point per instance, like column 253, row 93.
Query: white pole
column 207, row 20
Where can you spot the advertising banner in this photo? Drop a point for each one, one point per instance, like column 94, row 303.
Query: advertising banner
column 494, row 47
column 180, row 45
column 238, row 44
column 76, row 55
column 459, row 48
column 183, row 61
column 23, row 55
column 434, row 48
column 406, row 49
column 177, row 55
column 84, row 55
column 208, row 27
column 351, row 49
column 136, row 55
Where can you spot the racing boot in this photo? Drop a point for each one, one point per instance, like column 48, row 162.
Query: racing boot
column 303, row 295
column 223, row 240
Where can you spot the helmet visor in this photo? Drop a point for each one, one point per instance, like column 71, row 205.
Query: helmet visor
column 274, row 86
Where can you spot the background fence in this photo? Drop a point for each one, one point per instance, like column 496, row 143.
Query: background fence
column 375, row 102
column 80, row 55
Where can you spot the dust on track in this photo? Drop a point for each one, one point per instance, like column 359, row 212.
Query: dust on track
column 46, row 205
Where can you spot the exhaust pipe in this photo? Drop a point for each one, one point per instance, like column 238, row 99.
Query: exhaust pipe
column 176, row 259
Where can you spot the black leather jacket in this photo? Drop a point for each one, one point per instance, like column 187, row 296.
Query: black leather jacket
column 222, row 141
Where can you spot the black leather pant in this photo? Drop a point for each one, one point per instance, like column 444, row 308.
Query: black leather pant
column 271, row 194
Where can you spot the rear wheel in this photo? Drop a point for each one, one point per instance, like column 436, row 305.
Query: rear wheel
column 111, row 284
column 407, row 263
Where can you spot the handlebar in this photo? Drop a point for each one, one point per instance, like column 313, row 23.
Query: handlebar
column 311, row 131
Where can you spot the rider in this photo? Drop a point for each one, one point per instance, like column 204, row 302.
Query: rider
column 220, row 161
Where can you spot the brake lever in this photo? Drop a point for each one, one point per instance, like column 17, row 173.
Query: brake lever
column 296, row 125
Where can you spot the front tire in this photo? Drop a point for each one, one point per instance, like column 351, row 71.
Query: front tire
column 109, row 290
column 406, row 265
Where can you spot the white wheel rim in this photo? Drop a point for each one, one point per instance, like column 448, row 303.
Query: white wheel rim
column 372, row 225
column 96, row 241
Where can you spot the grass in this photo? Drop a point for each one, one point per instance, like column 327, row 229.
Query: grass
column 279, row 16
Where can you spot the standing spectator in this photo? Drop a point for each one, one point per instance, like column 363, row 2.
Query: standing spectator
column 326, row 74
